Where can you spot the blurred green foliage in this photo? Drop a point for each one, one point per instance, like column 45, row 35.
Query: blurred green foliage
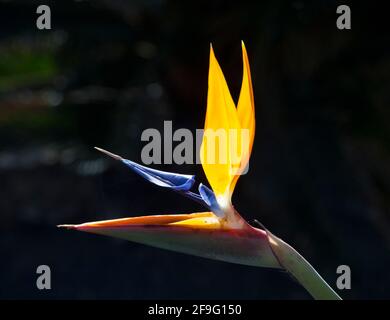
column 23, row 67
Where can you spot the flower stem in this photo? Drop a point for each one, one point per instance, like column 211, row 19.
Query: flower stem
column 301, row 270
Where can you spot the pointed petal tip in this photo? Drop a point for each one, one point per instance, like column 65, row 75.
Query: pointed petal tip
column 212, row 53
column 67, row 226
column 110, row 154
column 243, row 48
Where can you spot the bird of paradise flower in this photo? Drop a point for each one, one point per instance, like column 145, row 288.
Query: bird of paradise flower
column 219, row 233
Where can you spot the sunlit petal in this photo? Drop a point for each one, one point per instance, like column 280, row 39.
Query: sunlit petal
column 246, row 112
column 221, row 118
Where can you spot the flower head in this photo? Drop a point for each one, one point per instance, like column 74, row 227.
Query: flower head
column 219, row 232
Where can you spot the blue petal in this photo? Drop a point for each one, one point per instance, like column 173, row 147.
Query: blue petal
column 196, row 197
column 209, row 198
column 175, row 181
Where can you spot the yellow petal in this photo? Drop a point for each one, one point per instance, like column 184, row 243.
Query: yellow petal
column 246, row 113
column 204, row 222
column 196, row 220
column 219, row 150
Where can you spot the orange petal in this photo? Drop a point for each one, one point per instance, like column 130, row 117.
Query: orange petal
column 246, row 113
column 156, row 220
column 218, row 147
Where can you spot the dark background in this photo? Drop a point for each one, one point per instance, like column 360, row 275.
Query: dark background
column 319, row 173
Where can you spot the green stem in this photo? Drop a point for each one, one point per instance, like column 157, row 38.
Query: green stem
column 301, row 270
